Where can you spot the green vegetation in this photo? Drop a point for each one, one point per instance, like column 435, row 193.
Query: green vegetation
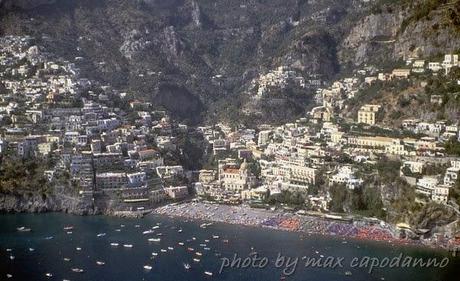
column 455, row 192
column 452, row 147
column 291, row 198
column 422, row 9
column 18, row 176
column 366, row 201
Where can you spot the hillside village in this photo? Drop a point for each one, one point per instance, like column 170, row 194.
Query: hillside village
column 119, row 154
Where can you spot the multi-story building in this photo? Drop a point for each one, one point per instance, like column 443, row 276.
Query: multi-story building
column 440, row 193
column 111, row 180
column 237, row 179
column 426, row 185
column 369, row 114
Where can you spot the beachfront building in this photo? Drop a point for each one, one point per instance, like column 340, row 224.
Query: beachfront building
column 177, row 192
column 237, row 179
column 256, row 194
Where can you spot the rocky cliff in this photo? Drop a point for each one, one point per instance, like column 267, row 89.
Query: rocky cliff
column 420, row 29
column 150, row 47
column 39, row 203
column 197, row 58
column 24, row 4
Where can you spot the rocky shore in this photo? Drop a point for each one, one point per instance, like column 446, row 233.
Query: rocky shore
column 34, row 203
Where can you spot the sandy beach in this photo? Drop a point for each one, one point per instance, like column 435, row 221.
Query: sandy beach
column 287, row 221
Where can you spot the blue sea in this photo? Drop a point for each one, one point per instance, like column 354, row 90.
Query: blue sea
column 40, row 254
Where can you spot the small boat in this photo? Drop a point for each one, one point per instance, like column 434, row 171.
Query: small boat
column 68, row 227
column 163, row 250
column 207, row 240
column 147, row 232
column 155, row 227
column 198, row 254
column 48, row 275
column 225, row 240
column 23, row 229
column 154, row 239
column 160, row 234
column 202, row 245
column 114, row 244
column 190, row 249
column 31, row 249
column 208, row 273
column 181, row 243
column 196, row 260
column 207, row 248
column 69, row 232
column 66, row 259
column 348, row 273
column 154, row 254
column 128, row 245
column 193, row 238
column 147, row 267
column 215, row 236
column 170, row 248
column 118, row 230
column 122, row 225
column 100, row 263
column 9, row 276
column 187, row 266
column 137, row 226
column 9, row 250
column 78, row 270
column 12, row 257
column 49, row 238
column 180, row 231
column 78, row 249
column 101, row 234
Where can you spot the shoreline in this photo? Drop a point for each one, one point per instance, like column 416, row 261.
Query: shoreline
column 302, row 224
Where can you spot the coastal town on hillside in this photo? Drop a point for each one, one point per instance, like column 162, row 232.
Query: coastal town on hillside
column 122, row 154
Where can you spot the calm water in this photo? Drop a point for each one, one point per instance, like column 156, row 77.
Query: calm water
column 126, row 264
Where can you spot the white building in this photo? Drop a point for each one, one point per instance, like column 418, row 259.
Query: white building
column 426, row 185
column 346, row 176
column 440, row 194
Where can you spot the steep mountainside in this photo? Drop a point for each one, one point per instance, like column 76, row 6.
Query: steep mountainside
column 198, row 58
column 421, row 28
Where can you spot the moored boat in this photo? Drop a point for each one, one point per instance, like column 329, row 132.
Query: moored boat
column 78, row 270
column 23, row 229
